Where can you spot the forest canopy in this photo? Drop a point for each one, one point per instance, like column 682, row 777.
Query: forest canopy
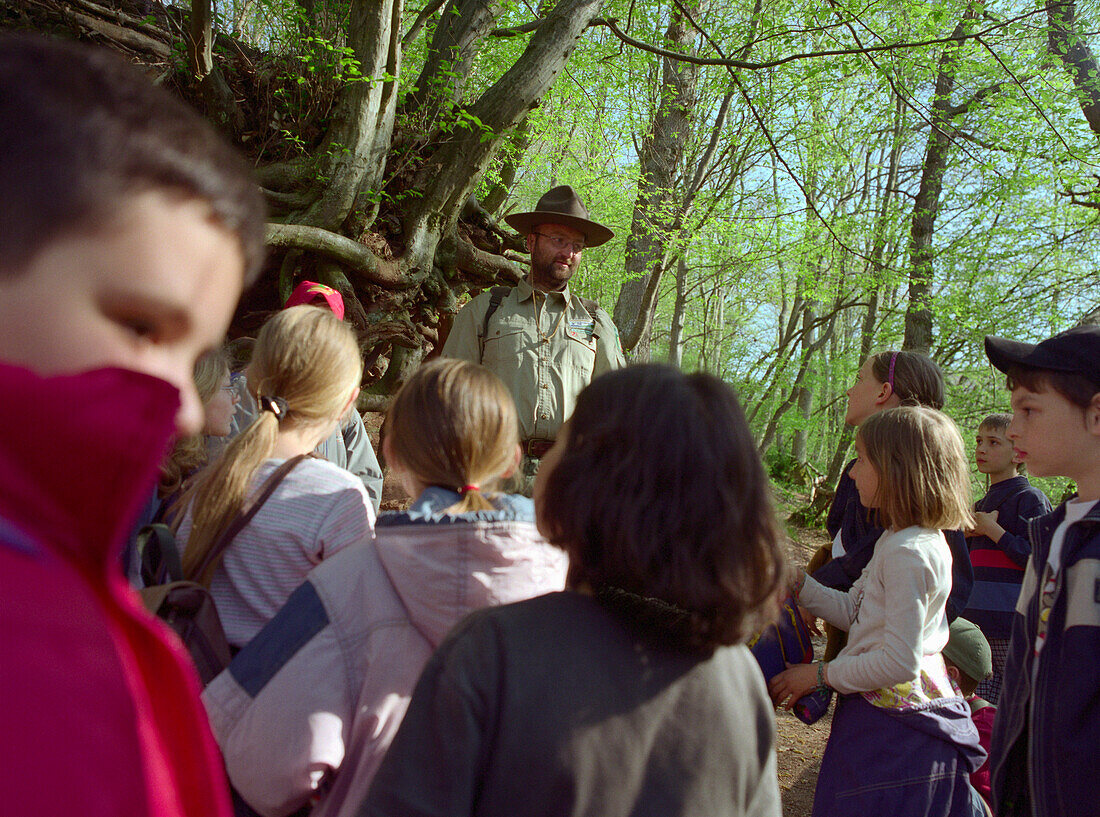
column 793, row 185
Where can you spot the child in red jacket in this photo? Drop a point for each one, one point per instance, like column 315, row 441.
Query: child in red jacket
column 969, row 661
column 127, row 231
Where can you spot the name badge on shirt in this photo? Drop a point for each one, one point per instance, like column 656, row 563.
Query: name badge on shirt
column 582, row 330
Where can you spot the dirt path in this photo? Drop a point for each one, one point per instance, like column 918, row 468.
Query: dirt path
column 799, row 747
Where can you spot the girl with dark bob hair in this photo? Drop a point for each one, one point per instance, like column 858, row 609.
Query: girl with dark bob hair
column 630, row 693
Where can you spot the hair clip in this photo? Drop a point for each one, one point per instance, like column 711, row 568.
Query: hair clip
column 276, row 405
column 890, row 377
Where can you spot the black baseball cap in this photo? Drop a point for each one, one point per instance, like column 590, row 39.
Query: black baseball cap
column 1075, row 351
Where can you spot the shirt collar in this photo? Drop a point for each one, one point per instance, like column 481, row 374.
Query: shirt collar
column 525, row 291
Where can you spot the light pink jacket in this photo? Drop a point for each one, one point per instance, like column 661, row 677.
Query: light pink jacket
column 308, row 709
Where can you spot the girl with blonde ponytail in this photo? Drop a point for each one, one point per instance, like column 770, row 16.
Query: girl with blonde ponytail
column 305, row 374
column 329, row 677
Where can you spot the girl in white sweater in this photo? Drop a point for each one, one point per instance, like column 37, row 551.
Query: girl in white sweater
column 902, row 741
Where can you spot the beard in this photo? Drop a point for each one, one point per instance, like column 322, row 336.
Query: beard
column 548, row 273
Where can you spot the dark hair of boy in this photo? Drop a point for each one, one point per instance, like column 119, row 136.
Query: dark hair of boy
column 662, row 504
column 996, row 422
column 81, row 130
column 1076, row 388
column 914, row 378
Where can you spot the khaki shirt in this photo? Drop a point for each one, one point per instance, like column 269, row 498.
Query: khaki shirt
column 544, row 346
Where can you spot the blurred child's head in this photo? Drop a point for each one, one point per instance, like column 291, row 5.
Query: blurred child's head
column 219, row 398
column 889, row 379
column 655, row 490
column 127, row 226
column 305, row 373
column 453, row 425
column 219, row 401
column 1055, row 386
column 912, row 468
column 993, row 450
column 967, row 656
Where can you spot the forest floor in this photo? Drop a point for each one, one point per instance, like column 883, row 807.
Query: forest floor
column 799, row 747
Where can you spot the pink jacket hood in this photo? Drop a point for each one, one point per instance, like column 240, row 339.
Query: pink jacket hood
column 446, row 566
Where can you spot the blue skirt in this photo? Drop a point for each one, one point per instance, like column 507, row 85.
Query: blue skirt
column 899, row 764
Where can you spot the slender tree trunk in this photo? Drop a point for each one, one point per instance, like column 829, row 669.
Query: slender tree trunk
column 926, row 207
column 656, row 207
column 676, row 333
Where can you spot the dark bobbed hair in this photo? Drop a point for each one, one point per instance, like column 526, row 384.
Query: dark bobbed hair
column 917, row 380
column 81, row 131
column 1076, row 388
column 661, row 502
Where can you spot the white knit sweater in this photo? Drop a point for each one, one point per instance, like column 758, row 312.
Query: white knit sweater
column 894, row 613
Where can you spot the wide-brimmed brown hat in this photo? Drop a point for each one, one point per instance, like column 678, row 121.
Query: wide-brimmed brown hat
column 561, row 205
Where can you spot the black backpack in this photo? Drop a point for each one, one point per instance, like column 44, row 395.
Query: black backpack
column 187, row 606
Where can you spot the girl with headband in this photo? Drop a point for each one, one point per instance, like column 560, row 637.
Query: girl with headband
column 307, row 711
column 305, row 374
column 885, row 380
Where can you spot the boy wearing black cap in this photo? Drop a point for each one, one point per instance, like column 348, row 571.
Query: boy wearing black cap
column 1048, row 721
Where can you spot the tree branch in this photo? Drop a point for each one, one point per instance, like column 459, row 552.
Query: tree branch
column 748, row 65
column 352, row 254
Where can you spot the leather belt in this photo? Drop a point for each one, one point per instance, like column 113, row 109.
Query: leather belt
column 536, row 448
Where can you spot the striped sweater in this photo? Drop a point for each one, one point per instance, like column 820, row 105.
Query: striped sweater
column 315, row 512
column 999, row 566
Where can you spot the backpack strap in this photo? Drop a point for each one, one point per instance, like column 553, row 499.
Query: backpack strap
column 496, row 295
column 590, row 305
column 248, row 510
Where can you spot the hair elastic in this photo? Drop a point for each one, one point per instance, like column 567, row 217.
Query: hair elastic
column 467, row 488
column 890, row 377
column 276, row 405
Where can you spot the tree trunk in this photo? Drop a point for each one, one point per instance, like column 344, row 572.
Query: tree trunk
column 656, row 207
column 926, row 207
column 676, row 333
column 1066, row 41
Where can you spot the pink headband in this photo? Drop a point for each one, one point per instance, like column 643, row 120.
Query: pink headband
column 890, row 377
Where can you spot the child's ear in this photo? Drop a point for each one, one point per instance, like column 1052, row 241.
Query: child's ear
column 511, row 469
column 884, row 394
column 351, row 402
column 1092, row 415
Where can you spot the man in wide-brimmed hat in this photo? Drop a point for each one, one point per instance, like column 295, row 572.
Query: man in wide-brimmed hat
column 545, row 342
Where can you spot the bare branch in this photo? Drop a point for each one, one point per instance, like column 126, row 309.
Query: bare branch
column 748, row 65
column 352, row 254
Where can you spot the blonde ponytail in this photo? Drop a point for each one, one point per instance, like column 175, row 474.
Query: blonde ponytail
column 305, row 366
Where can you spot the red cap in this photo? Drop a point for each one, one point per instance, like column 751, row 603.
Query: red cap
column 310, row 292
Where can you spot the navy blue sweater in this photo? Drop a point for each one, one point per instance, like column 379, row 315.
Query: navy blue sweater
column 859, row 533
column 999, row 566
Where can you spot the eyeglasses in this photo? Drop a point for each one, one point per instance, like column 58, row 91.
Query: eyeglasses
column 231, row 390
column 560, row 244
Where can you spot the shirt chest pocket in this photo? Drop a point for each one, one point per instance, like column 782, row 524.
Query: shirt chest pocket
column 507, row 341
column 580, row 350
